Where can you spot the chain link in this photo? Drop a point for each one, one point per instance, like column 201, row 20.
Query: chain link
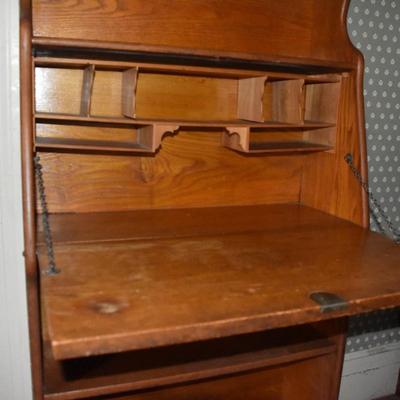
column 376, row 209
column 52, row 268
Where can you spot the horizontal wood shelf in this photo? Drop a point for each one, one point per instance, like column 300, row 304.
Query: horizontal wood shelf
column 283, row 147
column 253, row 141
column 181, row 69
column 153, row 368
column 207, row 284
column 78, row 144
column 145, row 224
column 50, row 117
column 61, row 47
column 153, row 131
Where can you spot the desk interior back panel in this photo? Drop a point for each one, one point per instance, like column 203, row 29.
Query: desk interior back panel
column 190, row 170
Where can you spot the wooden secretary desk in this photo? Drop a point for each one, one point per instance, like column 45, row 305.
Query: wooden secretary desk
column 192, row 230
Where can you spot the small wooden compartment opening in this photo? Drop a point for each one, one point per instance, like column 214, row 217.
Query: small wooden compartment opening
column 271, row 99
column 116, row 106
column 321, row 101
column 321, row 104
column 278, row 140
column 94, row 136
column 135, row 91
column 116, row 90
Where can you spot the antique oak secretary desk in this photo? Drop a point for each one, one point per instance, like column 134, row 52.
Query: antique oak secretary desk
column 192, row 230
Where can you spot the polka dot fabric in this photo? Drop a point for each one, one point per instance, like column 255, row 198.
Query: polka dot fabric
column 372, row 340
column 374, row 28
column 378, row 328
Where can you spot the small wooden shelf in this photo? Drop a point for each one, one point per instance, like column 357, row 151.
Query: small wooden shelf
column 284, row 140
column 79, row 144
column 53, row 131
column 207, row 284
column 239, row 73
column 76, row 119
column 285, row 147
column 139, row 138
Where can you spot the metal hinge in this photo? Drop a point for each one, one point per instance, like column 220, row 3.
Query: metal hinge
column 329, row 301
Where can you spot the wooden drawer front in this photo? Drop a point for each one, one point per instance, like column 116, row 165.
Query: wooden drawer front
column 305, row 380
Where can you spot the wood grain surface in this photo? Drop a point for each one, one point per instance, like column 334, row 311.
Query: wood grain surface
column 210, row 286
column 186, row 245
column 328, row 183
column 191, row 169
column 262, row 30
column 177, row 223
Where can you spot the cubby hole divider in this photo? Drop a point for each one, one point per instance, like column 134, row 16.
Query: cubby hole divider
column 284, row 101
column 261, row 100
column 321, row 101
column 250, row 98
column 87, row 88
column 129, row 83
column 150, row 137
column 237, row 138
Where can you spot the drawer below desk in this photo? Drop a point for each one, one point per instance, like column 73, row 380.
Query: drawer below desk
column 310, row 379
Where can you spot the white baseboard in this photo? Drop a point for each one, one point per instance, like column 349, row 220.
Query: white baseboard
column 370, row 374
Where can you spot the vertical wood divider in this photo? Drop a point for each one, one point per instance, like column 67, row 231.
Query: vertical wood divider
column 286, row 102
column 250, row 98
column 322, row 101
column 150, row 136
column 237, row 138
column 129, row 82
column 303, row 103
column 87, row 87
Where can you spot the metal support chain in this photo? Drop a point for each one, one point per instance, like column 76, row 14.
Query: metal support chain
column 52, row 268
column 376, row 209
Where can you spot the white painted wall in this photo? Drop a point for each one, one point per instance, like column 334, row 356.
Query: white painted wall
column 15, row 380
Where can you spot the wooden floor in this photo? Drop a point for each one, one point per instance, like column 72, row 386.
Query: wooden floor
column 114, row 296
